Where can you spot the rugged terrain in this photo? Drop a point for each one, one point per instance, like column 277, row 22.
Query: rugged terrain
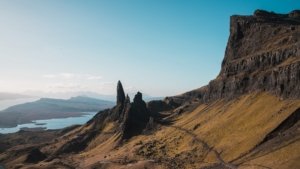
column 248, row 117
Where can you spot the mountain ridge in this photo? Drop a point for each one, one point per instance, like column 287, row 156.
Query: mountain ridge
column 46, row 108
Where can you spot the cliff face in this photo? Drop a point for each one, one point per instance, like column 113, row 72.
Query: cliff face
column 262, row 54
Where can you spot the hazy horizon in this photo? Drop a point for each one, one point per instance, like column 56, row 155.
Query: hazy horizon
column 156, row 47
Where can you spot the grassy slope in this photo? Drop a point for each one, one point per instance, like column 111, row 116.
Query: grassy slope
column 219, row 132
column 228, row 129
column 236, row 127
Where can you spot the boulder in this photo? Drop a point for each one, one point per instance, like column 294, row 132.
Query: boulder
column 35, row 156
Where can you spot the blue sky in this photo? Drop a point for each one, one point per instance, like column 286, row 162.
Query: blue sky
column 161, row 47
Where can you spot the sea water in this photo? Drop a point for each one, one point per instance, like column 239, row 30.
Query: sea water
column 56, row 123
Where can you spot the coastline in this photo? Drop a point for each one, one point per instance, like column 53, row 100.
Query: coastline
column 46, row 124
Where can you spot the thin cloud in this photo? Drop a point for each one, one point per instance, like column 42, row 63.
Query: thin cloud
column 93, row 77
column 49, row 76
column 68, row 75
column 73, row 76
column 64, row 86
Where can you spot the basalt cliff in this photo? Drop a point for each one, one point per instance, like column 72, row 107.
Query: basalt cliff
column 262, row 54
column 247, row 117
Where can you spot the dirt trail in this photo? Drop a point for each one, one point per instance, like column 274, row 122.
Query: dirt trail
column 195, row 137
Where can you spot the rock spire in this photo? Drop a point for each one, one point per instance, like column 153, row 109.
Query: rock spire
column 120, row 93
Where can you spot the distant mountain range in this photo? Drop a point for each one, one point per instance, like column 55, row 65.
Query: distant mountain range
column 46, row 108
column 96, row 95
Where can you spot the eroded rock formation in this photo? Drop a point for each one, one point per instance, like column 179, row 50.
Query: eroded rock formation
column 130, row 119
column 136, row 117
column 120, row 93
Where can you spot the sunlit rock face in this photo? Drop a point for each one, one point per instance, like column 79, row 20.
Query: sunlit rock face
column 262, row 54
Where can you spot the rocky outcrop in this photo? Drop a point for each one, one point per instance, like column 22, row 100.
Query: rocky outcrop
column 130, row 118
column 118, row 111
column 156, row 106
column 133, row 117
column 120, row 93
column 262, row 54
column 136, row 117
column 34, row 156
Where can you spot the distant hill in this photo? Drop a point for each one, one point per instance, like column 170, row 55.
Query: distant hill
column 46, row 108
column 63, row 95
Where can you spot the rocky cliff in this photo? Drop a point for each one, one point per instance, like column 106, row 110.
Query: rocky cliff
column 262, row 54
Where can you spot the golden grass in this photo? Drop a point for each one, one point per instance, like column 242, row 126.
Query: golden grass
column 287, row 157
column 236, row 127
column 230, row 128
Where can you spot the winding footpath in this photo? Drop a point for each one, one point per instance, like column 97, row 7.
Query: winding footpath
column 201, row 141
